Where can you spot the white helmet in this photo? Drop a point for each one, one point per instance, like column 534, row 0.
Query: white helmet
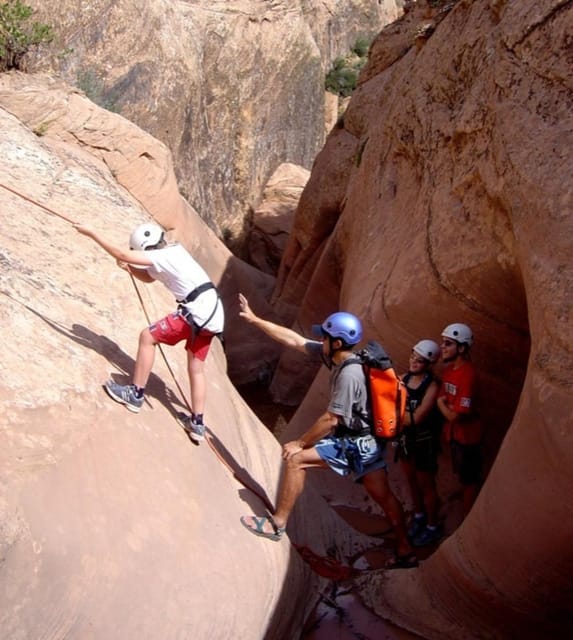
column 144, row 236
column 427, row 349
column 459, row 332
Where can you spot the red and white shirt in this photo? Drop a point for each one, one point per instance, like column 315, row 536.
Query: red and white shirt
column 459, row 389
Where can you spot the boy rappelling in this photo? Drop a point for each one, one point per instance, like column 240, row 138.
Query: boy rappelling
column 198, row 318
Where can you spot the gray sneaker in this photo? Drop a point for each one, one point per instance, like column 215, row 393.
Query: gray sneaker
column 196, row 431
column 125, row 394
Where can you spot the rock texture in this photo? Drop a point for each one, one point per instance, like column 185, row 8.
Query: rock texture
column 272, row 221
column 233, row 88
column 444, row 195
column 114, row 525
column 142, row 166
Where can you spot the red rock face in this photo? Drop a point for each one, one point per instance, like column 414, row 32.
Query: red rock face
column 109, row 518
column 445, row 197
column 272, row 221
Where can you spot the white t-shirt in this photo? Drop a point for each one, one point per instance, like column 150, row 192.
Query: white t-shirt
column 180, row 273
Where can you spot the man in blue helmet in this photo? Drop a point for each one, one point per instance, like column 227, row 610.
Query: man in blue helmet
column 340, row 439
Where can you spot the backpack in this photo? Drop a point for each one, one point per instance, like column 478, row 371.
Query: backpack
column 386, row 392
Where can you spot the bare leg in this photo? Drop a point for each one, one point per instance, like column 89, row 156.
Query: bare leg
column 427, row 482
column 198, row 386
column 145, row 358
column 291, row 486
column 292, row 482
column 376, row 483
column 415, row 489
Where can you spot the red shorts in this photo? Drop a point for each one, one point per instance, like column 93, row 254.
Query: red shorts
column 173, row 328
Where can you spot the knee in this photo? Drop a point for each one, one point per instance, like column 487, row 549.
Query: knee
column 378, row 486
column 196, row 366
column 293, row 463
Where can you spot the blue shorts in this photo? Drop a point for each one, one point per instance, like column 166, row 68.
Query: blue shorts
column 359, row 456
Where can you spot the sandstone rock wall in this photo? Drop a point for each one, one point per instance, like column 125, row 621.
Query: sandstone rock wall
column 272, row 221
column 114, row 525
column 445, row 196
column 232, row 88
column 141, row 165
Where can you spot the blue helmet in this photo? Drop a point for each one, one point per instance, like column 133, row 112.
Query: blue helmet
column 342, row 325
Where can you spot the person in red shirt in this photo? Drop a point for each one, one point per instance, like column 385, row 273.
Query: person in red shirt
column 457, row 403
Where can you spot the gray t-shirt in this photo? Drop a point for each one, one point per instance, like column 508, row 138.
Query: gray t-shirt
column 348, row 393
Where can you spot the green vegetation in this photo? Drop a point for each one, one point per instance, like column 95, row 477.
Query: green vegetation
column 93, row 86
column 343, row 76
column 18, row 35
column 42, row 129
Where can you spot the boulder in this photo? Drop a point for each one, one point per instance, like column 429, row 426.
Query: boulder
column 272, row 220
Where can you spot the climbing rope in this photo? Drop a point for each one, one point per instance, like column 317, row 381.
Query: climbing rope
column 326, row 567
column 38, row 204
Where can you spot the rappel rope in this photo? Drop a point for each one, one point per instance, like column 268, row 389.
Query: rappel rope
column 325, row 567
column 38, row 204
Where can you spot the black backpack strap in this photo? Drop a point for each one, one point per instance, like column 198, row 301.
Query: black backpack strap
column 408, row 403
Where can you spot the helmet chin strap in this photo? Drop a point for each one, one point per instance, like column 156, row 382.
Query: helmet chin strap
column 327, row 359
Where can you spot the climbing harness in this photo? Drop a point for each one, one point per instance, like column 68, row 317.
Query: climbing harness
column 188, row 316
column 206, row 286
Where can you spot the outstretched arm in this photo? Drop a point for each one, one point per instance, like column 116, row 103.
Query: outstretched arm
column 121, row 255
column 281, row 334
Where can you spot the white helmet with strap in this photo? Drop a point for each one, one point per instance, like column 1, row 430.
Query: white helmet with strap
column 461, row 333
column 145, row 236
column 427, row 349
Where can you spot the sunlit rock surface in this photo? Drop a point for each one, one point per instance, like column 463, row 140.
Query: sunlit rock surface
column 444, row 195
column 234, row 88
column 272, row 221
column 113, row 524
